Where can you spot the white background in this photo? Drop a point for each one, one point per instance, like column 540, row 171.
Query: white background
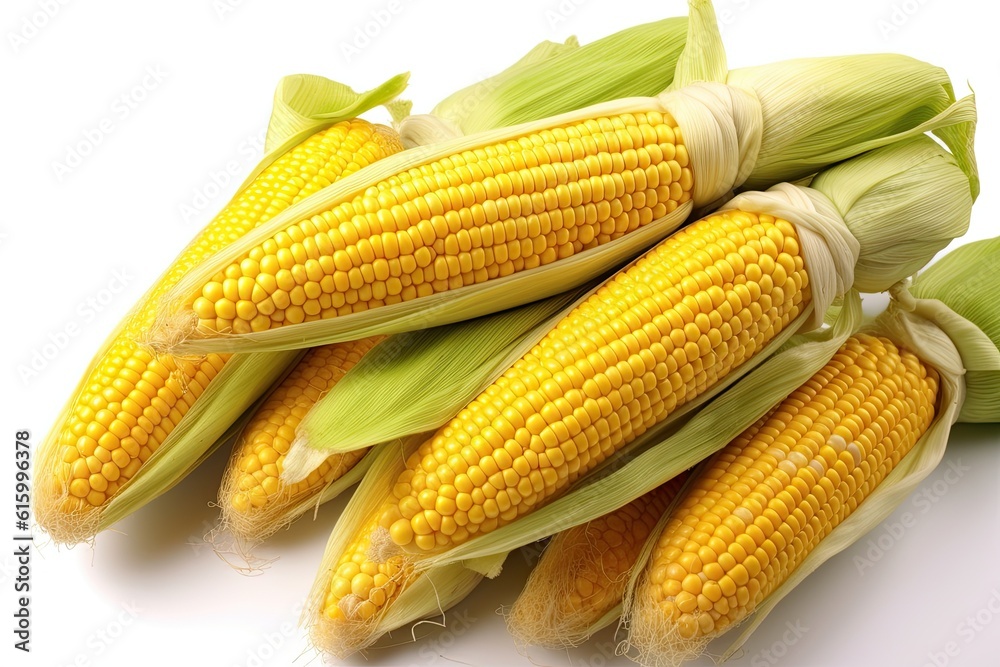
column 146, row 595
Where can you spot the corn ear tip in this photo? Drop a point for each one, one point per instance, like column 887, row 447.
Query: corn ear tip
column 171, row 329
column 50, row 498
column 77, row 526
column 654, row 641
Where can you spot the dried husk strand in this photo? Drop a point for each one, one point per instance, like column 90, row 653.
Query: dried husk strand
column 725, row 129
column 959, row 347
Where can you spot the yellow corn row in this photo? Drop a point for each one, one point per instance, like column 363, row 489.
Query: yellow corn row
column 583, row 573
column 252, row 496
column 477, row 215
column 767, row 500
column 132, row 400
column 650, row 340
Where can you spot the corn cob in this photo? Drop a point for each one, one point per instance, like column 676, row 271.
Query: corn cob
column 656, row 336
column 564, row 191
column 464, row 219
column 769, row 497
column 582, row 575
column 252, row 497
column 131, row 399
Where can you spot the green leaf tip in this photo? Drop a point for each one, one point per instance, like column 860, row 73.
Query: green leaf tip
column 303, row 103
column 704, row 56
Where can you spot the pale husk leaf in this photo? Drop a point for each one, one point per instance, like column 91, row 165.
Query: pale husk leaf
column 818, row 111
column 704, row 55
column 304, row 104
column 884, row 199
column 966, row 280
column 423, row 595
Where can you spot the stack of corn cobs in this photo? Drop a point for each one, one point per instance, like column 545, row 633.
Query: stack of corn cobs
column 615, row 303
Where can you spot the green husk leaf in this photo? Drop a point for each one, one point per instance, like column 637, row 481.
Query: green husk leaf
column 304, row 104
column 765, row 381
column 958, row 293
column 818, row 111
column 416, row 381
column 883, row 197
column 554, row 78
